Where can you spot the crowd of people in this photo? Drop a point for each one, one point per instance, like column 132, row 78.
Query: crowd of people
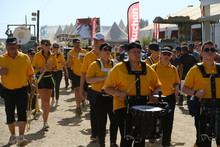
column 114, row 83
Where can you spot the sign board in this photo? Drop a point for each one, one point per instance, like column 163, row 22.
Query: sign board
column 67, row 37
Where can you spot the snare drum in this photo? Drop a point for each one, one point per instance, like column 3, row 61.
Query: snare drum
column 146, row 122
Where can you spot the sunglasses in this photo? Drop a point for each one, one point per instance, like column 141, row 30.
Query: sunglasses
column 106, row 49
column 166, row 54
column 55, row 47
column 32, row 53
column 47, row 44
column 209, row 49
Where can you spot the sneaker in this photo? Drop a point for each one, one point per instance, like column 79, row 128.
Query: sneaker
column 22, row 141
column 56, row 103
column 46, row 126
column 84, row 103
column 52, row 103
column 12, row 140
column 78, row 111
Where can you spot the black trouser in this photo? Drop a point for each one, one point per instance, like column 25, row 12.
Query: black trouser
column 93, row 117
column 57, row 76
column 121, row 115
column 201, row 127
column 15, row 99
column 104, row 107
column 168, row 120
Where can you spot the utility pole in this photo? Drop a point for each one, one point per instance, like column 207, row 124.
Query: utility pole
column 38, row 26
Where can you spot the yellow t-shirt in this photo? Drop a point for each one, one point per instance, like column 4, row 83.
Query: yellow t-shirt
column 18, row 70
column 39, row 61
column 168, row 77
column 77, row 60
column 153, row 59
column 95, row 71
column 119, row 79
column 60, row 60
column 195, row 80
column 88, row 59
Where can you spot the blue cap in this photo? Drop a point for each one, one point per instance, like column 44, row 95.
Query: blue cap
column 191, row 45
column 178, row 48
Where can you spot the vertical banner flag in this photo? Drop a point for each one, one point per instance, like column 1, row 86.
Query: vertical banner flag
column 156, row 30
column 133, row 22
column 95, row 26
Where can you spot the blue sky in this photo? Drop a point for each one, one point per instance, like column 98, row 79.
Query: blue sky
column 62, row 12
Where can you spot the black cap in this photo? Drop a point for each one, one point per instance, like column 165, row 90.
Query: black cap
column 11, row 41
column 154, row 46
column 31, row 50
column 75, row 40
column 104, row 45
column 133, row 45
column 166, row 49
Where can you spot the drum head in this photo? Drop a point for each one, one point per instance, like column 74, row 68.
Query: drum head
column 147, row 108
column 156, row 95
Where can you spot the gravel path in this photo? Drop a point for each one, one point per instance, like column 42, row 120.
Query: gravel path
column 68, row 130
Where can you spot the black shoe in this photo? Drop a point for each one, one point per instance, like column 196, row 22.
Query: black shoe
column 78, row 111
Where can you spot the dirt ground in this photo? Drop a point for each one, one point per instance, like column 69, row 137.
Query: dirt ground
column 68, row 130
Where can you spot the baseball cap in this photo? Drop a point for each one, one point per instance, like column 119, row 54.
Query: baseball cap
column 133, row 45
column 75, row 40
column 105, row 45
column 178, row 48
column 166, row 49
column 99, row 36
column 154, row 46
column 11, row 41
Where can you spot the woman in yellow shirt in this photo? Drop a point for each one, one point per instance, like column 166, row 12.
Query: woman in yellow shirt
column 96, row 75
column 44, row 63
column 169, row 78
column 57, row 75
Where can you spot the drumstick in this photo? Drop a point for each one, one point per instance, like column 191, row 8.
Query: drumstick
column 132, row 85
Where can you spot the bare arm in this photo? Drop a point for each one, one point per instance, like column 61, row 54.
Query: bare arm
column 115, row 92
column 82, row 82
column 95, row 79
column 190, row 91
column 3, row 71
column 33, row 86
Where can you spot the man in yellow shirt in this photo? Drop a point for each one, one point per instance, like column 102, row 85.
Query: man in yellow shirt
column 169, row 78
column 74, row 61
column 88, row 59
column 16, row 71
column 201, row 82
column 130, row 78
column 154, row 57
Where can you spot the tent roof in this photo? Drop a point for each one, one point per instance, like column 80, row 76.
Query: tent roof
column 115, row 34
column 193, row 12
column 122, row 25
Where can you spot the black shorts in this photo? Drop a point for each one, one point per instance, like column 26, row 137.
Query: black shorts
column 75, row 80
column 46, row 82
column 16, row 98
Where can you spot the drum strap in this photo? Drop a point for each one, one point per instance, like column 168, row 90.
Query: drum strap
column 212, row 79
column 137, row 74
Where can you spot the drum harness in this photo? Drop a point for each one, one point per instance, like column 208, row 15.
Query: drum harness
column 137, row 84
column 213, row 110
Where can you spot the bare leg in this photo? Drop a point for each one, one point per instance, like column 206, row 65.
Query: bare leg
column 11, row 128
column 21, row 125
column 45, row 102
column 77, row 96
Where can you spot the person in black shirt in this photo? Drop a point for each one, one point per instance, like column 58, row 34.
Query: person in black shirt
column 186, row 62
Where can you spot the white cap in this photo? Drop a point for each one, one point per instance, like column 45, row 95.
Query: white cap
column 99, row 36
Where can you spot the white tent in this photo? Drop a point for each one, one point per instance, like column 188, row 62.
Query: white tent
column 59, row 31
column 115, row 34
column 65, row 31
column 122, row 25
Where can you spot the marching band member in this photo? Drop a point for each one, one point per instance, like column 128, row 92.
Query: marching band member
column 75, row 60
column 16, row 71
column 169, row 78
column 201, row 82
column 57, row 75
column 44, row 63
column 88, row 59
column 96, row 75
column 120, row 81
column 154, row 57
